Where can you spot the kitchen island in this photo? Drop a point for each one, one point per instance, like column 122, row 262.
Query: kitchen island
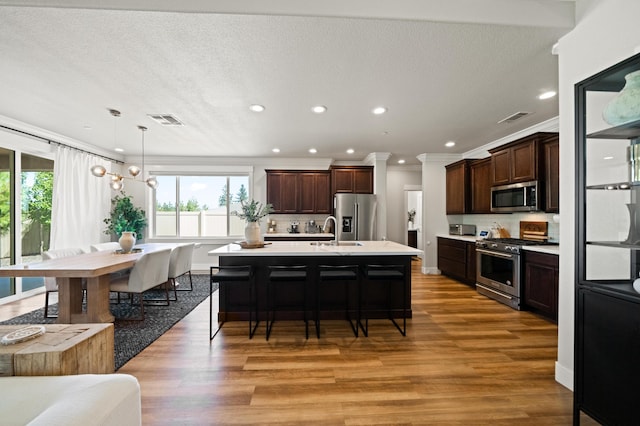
column 234, row 305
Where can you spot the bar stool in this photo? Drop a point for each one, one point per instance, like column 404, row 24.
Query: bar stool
column 282, row 274
column 233, row 275
column 343, row 273
column 390, row 274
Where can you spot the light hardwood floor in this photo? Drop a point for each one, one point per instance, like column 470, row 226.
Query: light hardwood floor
column 466, row 360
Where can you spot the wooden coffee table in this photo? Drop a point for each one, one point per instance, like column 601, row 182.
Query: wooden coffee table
column 63, row 349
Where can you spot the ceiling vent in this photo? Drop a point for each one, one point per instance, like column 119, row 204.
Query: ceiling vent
column 514, row 117
column 166, row 119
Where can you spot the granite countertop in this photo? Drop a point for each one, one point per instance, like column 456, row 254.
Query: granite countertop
column 306, row 248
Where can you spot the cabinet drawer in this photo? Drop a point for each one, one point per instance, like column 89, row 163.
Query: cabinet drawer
column 453, row 252
column 542, row 259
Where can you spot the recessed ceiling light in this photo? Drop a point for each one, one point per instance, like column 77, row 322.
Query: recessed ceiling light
column 379, row 110
column 547, row 95
column 276, row 150
column 87, row 127
column 319, row 109
column 119, row 150
column 350, row 151
column 312, row 150
column 400, row 161
column 608, row 158
column 450, row 144
column 256, row 108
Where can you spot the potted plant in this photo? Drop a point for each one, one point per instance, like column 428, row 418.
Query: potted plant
column 252, row 212
column 411, row 216
column 125, row 218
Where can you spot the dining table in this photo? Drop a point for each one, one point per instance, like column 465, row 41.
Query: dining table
column 95, row 268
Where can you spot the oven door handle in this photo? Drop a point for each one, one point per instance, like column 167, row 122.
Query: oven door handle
column 506, row 296
column 495, row 253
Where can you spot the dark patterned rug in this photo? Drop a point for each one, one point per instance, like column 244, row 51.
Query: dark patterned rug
column 131, row 336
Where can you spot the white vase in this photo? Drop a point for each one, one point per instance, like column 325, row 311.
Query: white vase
column 127, row 241
column 625, row 107
column 252, row 233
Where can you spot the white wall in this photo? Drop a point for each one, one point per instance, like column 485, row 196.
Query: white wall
column 397, row 178
column 606, row 33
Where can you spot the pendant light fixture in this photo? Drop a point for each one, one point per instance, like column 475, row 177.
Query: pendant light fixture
column 117, row 180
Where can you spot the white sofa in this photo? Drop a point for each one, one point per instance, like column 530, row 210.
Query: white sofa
column 85, row 399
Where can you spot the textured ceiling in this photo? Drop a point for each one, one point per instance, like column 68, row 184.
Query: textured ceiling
column 63, row 68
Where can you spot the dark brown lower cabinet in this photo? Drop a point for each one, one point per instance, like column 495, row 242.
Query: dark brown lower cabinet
column 607, row 371
column 457, row 259
column 541, row 283
column 412, row 238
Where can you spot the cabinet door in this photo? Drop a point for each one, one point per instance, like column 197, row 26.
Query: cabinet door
column 363, row 181
column 471, row 262
column 315, row 195
column 282, row 191
column 524, row 162
column 480, row 171
column 342, row 181
column 500, row 167
column 323, row 196
column 541, row 283
column 552, row 175
column 457, row 182
column 607, row 370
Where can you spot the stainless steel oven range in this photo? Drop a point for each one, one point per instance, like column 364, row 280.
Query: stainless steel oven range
column 499, row 269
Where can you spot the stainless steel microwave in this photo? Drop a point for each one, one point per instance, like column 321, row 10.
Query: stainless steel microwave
column 517, row 197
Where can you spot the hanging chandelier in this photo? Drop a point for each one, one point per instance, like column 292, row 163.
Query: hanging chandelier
column 117, row 180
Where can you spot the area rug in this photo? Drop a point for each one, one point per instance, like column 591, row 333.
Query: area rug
column 131, row 336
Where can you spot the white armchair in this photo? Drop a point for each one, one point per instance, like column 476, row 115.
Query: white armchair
column 179, row 265
column 150, row 270
column 50, row 283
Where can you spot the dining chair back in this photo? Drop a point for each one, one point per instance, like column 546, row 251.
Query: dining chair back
column 180, row 264
column 105, row 246
column 50, row 283
column 149, row 271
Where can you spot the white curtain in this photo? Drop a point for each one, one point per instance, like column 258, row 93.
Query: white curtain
column 80, row 202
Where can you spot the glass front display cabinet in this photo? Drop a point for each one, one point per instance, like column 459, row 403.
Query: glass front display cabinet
column 607, row 321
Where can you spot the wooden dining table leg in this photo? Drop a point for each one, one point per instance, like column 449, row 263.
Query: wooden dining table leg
column 98, row 309
column 69, row 299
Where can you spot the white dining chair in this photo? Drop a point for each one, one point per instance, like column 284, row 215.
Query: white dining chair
column 179, row 265
column 51, row 283
column 150, row 270
column 105, row 246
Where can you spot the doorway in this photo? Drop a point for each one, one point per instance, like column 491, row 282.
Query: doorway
column 413, row 204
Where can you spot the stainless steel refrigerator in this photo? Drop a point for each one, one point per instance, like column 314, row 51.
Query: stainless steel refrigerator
column 356, row 216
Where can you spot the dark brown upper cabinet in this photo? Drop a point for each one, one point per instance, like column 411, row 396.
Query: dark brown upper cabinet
column 518, row 161
column 551, row 149
column 480, row 177
column 303, row 191
column 458, row 188
column 352, row 179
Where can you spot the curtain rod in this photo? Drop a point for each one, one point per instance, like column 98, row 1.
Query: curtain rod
column 49, row 141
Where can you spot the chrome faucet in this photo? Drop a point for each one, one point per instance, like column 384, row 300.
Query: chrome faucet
column 335, row 229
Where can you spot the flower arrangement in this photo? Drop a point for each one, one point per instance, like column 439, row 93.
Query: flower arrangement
column 411, row 215
column 253, row 211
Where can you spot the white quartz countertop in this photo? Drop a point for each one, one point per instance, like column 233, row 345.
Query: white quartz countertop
column 306, row 248
column 298, row 235
column 468, row 238
column 544, row 249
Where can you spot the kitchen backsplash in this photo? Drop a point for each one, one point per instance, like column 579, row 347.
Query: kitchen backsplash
column 283, row 221
column 511, row 222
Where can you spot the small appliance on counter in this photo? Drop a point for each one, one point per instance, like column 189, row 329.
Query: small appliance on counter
column 311, row 227
column 294, row 227
column 460, row 229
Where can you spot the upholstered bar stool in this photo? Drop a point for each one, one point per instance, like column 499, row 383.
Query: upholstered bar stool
column 341, row 273
column 285, row 274
column 225, row 276
column 391, row 275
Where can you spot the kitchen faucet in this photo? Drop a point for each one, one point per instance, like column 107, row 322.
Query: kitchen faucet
column 335, row 229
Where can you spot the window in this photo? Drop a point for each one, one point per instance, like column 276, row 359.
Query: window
column 199, row 206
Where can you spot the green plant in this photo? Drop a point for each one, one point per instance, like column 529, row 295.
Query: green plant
column 253, row 211
column 125, row 217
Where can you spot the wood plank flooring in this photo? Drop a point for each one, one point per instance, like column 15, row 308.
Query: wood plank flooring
column 466, row 360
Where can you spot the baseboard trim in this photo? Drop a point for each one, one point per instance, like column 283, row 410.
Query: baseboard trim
column 564, row 376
